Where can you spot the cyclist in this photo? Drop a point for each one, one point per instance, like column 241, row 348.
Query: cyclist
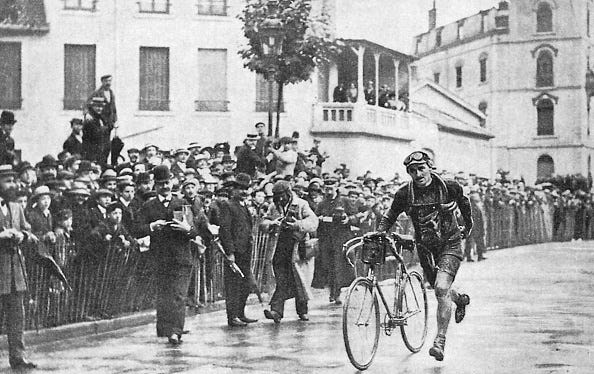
column 436, row 208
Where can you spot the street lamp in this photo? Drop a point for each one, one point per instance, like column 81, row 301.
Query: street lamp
column 272, row 35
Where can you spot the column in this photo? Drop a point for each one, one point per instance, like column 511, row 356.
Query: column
column 396, row 78
column 360, row 52
column 376, row 56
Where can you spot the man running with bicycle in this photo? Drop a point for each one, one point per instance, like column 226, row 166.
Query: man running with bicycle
column 436, row 208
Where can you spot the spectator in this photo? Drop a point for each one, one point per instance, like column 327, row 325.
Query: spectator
column 286, row 157
column 109, row 114
column 340, row 94
column 248, row 160
column 74, row 143
column 95, row 132
column 180, row 165
column 7, row 154
column 352, row 93
column 369, row 93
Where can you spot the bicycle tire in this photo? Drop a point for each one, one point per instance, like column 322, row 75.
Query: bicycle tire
column 415, row 287
column 360, row 304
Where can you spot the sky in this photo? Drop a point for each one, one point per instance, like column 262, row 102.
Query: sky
column 393, row 23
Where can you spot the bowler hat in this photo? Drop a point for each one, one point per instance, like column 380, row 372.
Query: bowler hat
column 259, row 124
column 48, row 161
column 7, row 117
column 227, row 159
column 76, row 121
column 113, row 206
column 162, row 173
column 241, row 181
column 24, row 165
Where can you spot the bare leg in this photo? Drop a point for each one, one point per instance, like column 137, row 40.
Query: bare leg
column 445, row 296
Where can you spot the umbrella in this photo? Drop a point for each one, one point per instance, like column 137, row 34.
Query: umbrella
column 250, row 279
column 116, row 147
column 54, row 269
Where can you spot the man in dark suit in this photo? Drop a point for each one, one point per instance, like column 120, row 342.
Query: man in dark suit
column 170, row 252
column 477, row 235
column 13, row 281
column 236, row 238
column 73, row 143
column 248, row 161
column 7, row 154
column 110, row 113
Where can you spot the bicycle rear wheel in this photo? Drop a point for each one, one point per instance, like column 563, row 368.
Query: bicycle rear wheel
column 413, row 302
column 361, row 323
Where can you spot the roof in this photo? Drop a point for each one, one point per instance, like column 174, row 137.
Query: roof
column 23, row 17
column 446, row 122
column 378, row 47
column 450, row 95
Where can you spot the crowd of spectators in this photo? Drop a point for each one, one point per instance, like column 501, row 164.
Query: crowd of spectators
column 78, row 206
column 385, row 97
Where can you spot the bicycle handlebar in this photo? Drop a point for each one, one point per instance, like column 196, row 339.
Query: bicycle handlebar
column 394, row 239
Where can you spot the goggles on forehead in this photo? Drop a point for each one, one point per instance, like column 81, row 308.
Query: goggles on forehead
column 416, row 157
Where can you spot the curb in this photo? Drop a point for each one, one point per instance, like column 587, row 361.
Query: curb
column 74, row 330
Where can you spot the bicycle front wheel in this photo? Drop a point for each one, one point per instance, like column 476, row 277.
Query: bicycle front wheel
column 361, row 323
column 413, row 301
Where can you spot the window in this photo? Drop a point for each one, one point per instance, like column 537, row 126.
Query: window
column 483, row 68
column 544, row 69
column 459, row 76
column 438, row 37
column 460, row 34
column 212, row 80
column 436, row 77
column 545, row 167
column 212, row 7
column 10, row 75
column 154, row 6
column 588, row 22
column 154, row 78
column 88, row 5
column 544, row 17
column 262, row 94
column 545, row 117
column 79, row 75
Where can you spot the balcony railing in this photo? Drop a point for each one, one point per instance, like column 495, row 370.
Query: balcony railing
column 154, row 6
column 211, row 105
column 361, row 118
column 84, row 5
column 212, row 7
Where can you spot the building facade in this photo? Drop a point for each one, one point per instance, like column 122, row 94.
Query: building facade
column 526, row 64
column 178, row 79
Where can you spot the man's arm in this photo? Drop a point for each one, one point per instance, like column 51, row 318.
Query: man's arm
column 457, row 193
column 398, row 206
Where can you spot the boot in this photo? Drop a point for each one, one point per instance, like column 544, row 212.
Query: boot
column 438, row 348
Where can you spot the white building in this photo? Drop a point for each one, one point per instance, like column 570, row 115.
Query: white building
column 526, row 64
column 178, row 78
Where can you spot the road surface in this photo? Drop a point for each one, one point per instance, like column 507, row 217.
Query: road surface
column 532, row 311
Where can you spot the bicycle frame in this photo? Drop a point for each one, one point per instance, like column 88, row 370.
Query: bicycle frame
column 401, row 272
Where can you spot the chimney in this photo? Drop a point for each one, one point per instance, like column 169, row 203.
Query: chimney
column 432, row 17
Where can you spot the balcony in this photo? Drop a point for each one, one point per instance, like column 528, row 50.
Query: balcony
column 362, row 119
column 22, row 17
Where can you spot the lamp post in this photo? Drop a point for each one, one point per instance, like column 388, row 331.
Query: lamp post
column 271, row 39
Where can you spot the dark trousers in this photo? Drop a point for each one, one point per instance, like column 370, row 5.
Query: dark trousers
column 172, row 289
column 237, row 289
column 12, row 315
column 480, row 246
column 285, row 281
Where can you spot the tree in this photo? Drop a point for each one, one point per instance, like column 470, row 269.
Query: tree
column 308, row 43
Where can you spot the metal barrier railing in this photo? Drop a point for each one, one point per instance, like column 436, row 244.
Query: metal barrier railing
column 116, row 280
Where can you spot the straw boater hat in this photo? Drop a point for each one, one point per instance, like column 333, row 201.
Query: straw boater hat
column 6, row 171
column 40, row 191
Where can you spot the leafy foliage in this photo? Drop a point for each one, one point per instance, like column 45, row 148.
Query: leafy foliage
column 308, row 40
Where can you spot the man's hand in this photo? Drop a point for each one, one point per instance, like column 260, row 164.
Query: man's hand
column 157, row 225
column 180, row 226
column 6, row 234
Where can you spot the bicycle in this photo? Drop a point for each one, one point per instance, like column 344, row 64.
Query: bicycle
column 361, row 314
